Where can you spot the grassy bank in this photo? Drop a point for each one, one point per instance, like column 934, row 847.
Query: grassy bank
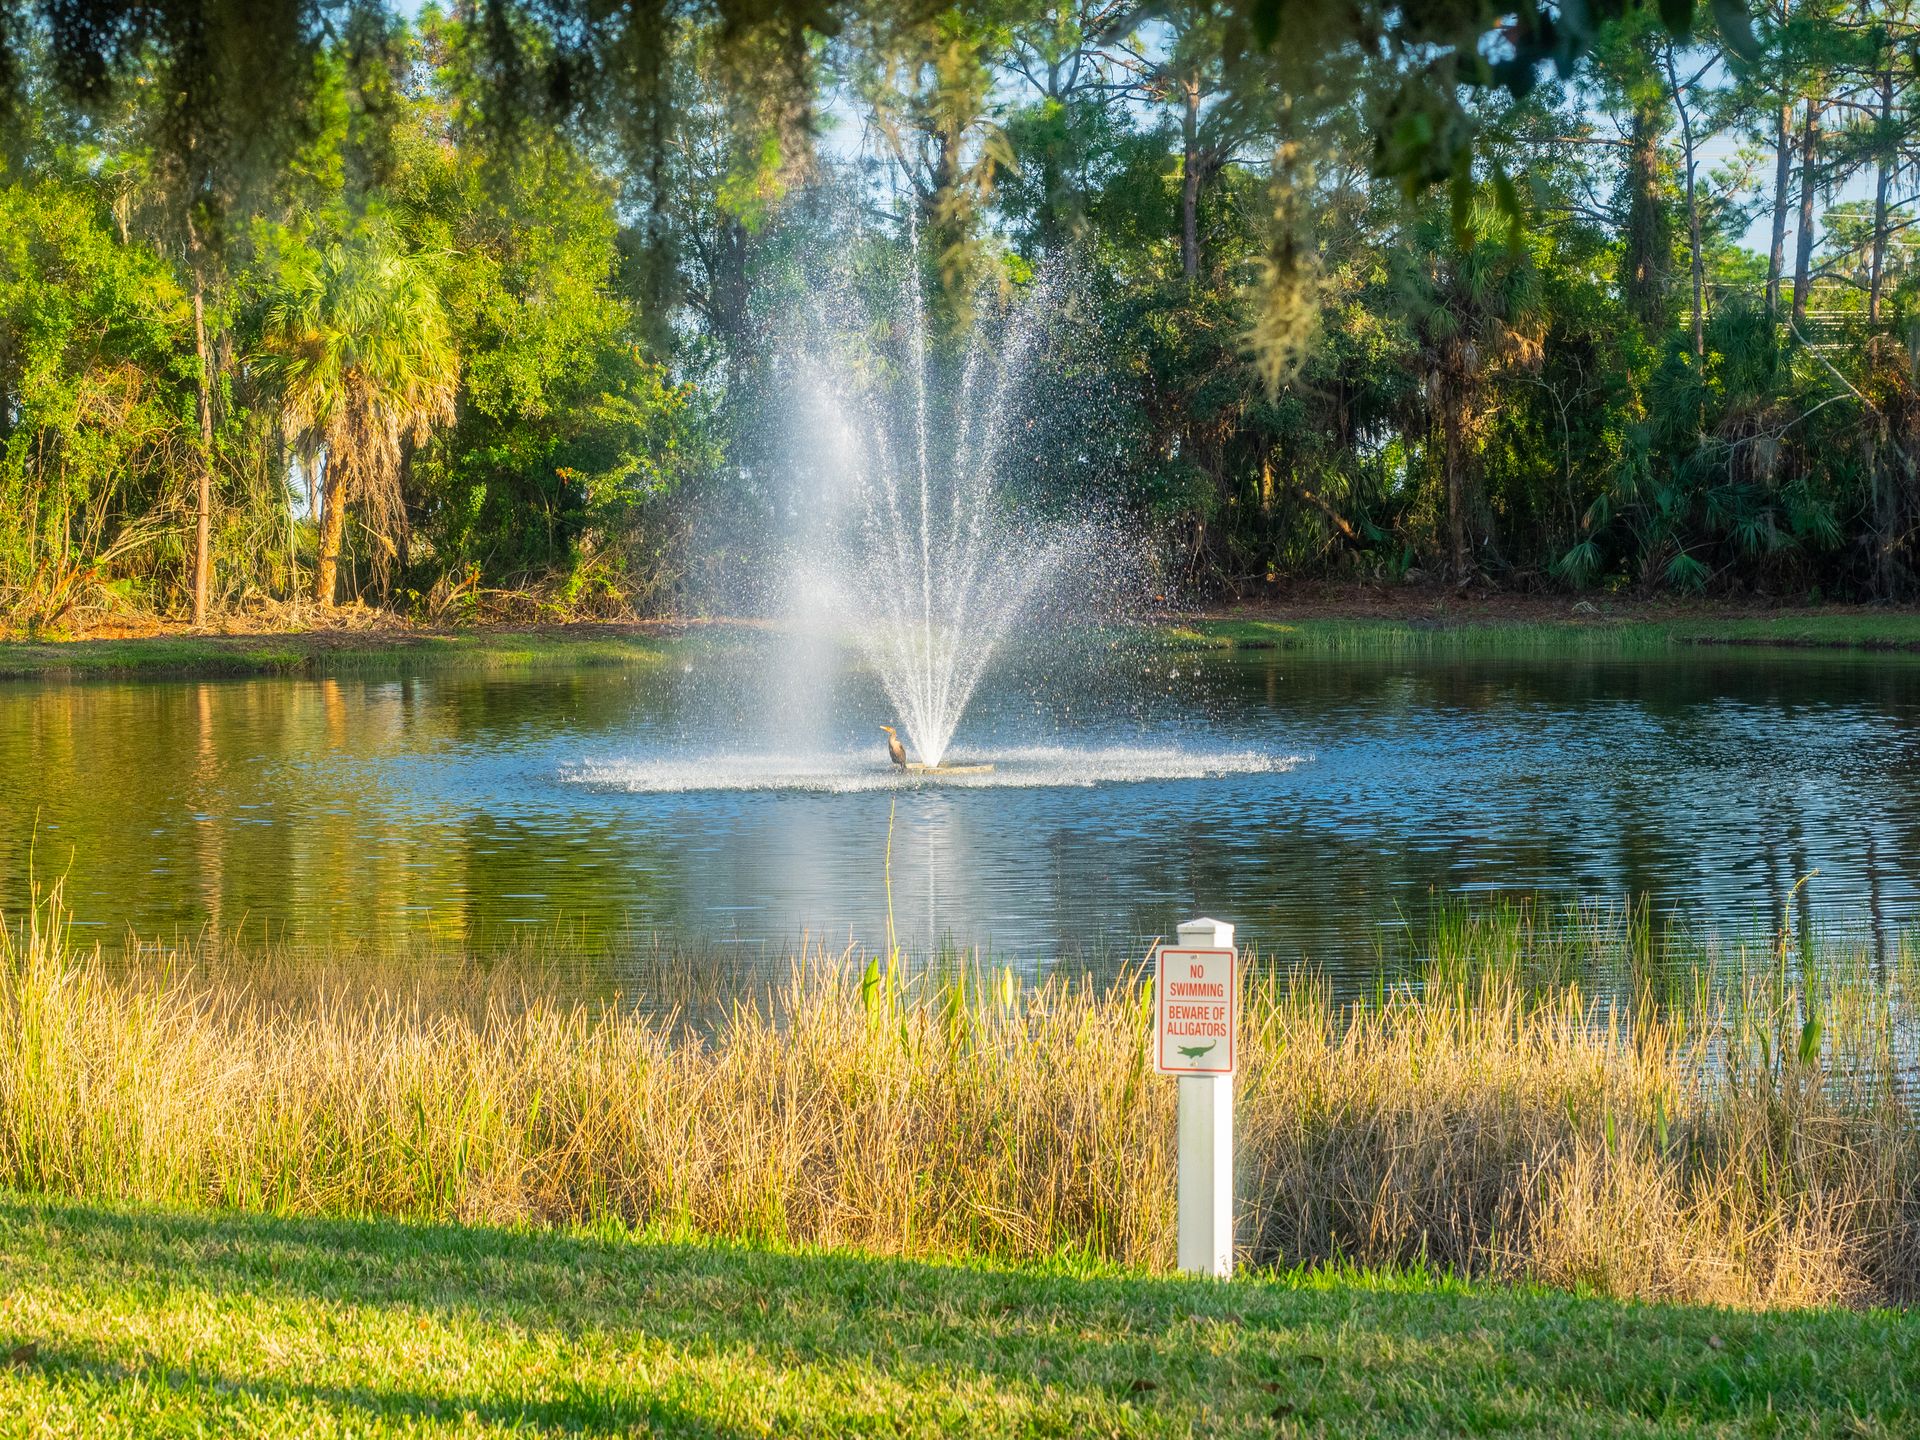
column 332, row 652
column 1752, row 1144
column 1629, row 633
column 154, row 1323
column 1391, row 627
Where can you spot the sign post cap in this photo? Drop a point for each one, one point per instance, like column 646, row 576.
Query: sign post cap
column 1206, row 931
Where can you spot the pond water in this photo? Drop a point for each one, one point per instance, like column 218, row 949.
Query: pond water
column 731, row 798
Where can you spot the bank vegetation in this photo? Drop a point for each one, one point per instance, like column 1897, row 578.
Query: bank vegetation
column 1527, row 1095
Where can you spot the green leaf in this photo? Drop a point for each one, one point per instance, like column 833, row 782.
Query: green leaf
column 1686, row 573
column 1265, row 20
column 1576, row 20
column 1504, row 193
column 1578, row 565
column 1460, row 188
column 1677, row 16
column 1508, row 200
column 1735, row 25
column 1810, row 1040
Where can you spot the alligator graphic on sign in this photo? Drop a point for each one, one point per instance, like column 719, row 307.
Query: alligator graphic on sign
column 1194, row 1052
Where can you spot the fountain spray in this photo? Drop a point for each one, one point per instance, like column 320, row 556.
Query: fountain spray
column 925, row 558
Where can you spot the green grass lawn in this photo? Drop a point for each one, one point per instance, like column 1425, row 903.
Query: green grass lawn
column 140, row 1323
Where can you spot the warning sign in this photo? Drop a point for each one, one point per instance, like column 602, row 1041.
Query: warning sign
column 1196, row 1011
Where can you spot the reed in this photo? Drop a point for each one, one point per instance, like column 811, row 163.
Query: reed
column 1750, row 1138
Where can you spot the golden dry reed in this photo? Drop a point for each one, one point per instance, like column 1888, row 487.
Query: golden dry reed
column 1751, row 1142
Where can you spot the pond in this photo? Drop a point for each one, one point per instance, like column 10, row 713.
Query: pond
column 729, row 799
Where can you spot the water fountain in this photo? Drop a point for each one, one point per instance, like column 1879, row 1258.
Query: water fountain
column 911, row 564
column 910, row 542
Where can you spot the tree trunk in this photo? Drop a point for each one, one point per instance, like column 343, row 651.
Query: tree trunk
column 1698, row 261
column 659, row 262
column 1699, row 267
column 1803, row 248
column 1453, row 427
column 1883, row 577
column 1782, row 192
column 333, row 526
column 203, row 455
column 730, row 292
column 1190, row 180
column 1052, row 228
column 1648, row 257
column 1882, row 180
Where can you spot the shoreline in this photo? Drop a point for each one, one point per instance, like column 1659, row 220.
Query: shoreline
column 186, row 654
column 1348, row 618
column 1328, row 621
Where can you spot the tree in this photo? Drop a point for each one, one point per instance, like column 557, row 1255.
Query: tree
column 1692, row 134
column 1472, row 308
column 727, row 166
column 91, row 384
column 359, row 347
column 1872, row 105
column 1635, row 82
column 1070, row 57
column 216, row 90
column 929, row 90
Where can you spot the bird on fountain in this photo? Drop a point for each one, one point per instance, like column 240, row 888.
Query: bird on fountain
column 896, row 752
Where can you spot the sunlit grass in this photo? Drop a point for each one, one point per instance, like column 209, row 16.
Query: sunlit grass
column 137, row 1321
column 1599, row 634
column 1747, row 1134
column 325, row 653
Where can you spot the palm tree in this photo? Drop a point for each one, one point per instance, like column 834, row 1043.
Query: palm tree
column 359, row 345
column 1473, row 308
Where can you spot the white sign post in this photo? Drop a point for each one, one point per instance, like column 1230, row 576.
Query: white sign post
column 1195, row 1034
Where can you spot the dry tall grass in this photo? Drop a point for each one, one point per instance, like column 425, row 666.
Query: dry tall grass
column 1485, row 1118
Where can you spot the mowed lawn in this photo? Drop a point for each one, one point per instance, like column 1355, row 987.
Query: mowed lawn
column 143, row 1323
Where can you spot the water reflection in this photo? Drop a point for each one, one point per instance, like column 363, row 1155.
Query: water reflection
column 466, row 810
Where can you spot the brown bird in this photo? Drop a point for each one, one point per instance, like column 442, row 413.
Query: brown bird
column 896, row 752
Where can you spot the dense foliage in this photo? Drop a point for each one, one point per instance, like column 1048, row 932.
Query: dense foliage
column 478, row 311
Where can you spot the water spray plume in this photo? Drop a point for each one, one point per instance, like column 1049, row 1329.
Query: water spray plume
column 924, row 558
